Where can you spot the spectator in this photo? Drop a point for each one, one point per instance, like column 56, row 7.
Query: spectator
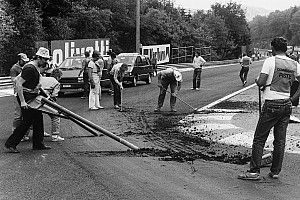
column 275, row 78
column 27, row 87
column 14, row 72
column 85, row 71
column 198, row 62
column 154, row 63
column 116, row 76
column 95, row 68
column 112, row 60
column 52, row 87
column 245, row 63
column 168, row 77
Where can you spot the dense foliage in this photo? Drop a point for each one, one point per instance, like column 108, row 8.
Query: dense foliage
column 279, row 23
column 23, row 22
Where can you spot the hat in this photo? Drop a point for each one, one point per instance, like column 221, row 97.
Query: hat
column 43, row 52
column 23, row 57
column 178, row 76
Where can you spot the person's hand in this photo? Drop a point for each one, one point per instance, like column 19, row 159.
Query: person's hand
column 24, row 105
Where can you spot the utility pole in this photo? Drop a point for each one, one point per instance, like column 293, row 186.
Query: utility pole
column 138, row 25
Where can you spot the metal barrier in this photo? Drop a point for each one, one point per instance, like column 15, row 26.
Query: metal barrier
column 5, row 82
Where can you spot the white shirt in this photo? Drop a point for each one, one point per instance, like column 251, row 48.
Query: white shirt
column 50, row 85
column 198, row 62
column 278, row 88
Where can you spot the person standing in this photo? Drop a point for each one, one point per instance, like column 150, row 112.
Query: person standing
column 172, row 77
column 198, row 63
column 51, row 86
column 116, row 77
column 276, row 77
column 245, row 63
column 95, row 68
column 14, row 72
column 27, row 87
column 85, row 71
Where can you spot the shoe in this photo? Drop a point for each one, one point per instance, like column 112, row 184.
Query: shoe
column 173, row 110
column 117, row 107
column 244, row 83
column 100, row 107
column 249, row 176
column 157, row 110
column 25, row 138
column 46, row 134
column 12, row 149
column 94, row 108
column 197, row 88
column 41, row 148
column 273, row 176
column 57, row 138
column 193, row 88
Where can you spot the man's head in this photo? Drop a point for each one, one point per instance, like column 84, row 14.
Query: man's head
column 23, row 59
column 279, row 44
column 56, row 73
column 96, row 55
column 196, row 54
column 124, row 67
column 42, row 56
column 87, row 54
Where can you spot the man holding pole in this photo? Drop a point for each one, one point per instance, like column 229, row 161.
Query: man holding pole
column 275, row 79
column 172, row 77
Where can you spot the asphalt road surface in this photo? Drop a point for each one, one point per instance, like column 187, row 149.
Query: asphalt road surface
column 88, row 167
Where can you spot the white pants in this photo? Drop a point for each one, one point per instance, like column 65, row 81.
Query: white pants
column 95, row 94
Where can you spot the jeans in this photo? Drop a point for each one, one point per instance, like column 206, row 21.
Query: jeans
column 117, row 91
column 86, row 85
column 197, row 78
column 30, row 117
column 244, row 73
column 275, row 114
column 162, row 93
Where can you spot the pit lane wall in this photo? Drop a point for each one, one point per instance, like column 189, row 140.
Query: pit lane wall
column 62, row 49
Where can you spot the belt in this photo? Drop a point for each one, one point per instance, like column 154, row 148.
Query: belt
column 278, row 100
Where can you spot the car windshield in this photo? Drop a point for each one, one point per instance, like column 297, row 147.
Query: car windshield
column 129, row 60
column 71, row 63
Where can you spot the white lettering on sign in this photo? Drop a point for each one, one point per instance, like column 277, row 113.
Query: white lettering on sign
column 62, row 49
column 160, row 52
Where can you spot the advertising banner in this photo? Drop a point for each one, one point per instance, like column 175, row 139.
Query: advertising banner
column 160, row 52
column 62, row 49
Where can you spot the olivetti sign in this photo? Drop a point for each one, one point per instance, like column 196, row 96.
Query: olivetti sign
column 62, row 49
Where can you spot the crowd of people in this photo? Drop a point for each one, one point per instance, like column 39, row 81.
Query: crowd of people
column 277, row 79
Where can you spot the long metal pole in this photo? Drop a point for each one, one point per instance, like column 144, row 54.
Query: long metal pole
column 88, row 123
column 138, row 25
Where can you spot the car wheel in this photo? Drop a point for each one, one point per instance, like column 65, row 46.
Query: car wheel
column 149, row 79
column 134, row 81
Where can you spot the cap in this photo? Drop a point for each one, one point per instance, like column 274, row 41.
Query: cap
column 178, row 76
column 24, row 57
column 43, row 52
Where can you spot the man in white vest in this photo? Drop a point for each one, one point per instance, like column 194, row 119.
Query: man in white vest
column 275, row 79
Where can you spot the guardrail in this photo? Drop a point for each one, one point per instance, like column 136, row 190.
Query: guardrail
column 5, row 82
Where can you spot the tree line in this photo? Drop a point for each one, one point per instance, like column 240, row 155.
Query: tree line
column 23, row 22
column 278, row 23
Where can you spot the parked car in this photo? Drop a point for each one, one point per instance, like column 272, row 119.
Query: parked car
column 139, row 68
column 71, row 82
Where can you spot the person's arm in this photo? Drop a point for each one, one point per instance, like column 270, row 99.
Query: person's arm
column 116, row 78
column 262, row 80
column 90, row 73
column 82, row 67
column 19, row 88
column 178, row 85
column 101, row 66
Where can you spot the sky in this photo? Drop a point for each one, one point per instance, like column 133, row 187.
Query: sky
column 267, row 4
